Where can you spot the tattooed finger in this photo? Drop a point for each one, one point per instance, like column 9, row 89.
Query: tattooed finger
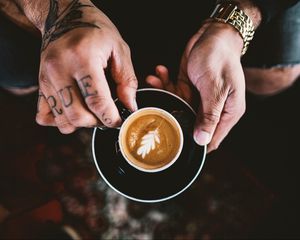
column 44, row 114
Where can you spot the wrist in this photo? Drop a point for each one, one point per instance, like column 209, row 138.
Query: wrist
column 225, row 33
column 228, row 13
column 42, row 13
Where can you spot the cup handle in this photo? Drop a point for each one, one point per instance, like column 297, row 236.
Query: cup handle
column 123, row 111
column 117, row 147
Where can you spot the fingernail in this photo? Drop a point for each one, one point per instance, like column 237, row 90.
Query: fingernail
column 202, row 137
column 134, row 105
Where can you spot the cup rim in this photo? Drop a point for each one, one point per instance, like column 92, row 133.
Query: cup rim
column 180, row 135
column 162, row 199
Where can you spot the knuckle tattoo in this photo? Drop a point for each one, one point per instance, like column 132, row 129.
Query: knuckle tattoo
column 53, row 105
column 106, row 120
column 85, row 86
column 66, row 96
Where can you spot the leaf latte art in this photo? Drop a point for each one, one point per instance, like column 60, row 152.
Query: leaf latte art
column 148, row 143
column 151, row 140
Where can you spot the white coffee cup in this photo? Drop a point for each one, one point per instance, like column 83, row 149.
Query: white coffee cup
column 151, row 139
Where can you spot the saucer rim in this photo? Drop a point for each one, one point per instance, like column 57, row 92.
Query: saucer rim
column 152, row 200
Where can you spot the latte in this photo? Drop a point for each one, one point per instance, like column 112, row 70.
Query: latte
column 151, row 139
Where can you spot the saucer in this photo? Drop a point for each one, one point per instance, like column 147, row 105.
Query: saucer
column 157, row 186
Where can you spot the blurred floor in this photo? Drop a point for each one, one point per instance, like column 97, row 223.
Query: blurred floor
column 248, row 188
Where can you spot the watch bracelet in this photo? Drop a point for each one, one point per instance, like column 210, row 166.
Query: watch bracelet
column 240, row 21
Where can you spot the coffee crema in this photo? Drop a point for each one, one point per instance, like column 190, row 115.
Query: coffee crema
column 151, row 139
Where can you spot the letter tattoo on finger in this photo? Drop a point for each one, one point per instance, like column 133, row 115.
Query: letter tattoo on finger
column 106, row 120
column 41, row 95
column 52, row 102
column 65, row 95
column 85, row 85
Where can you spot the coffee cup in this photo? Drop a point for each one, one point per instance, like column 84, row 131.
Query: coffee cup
column 151, row 139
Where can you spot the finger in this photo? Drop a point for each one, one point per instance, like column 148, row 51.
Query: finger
column 69, row 96
column 163, row 73
column 155, row 82
column 44, row 115
column 96, row 93
column 73, row 104
column 124, row 76
column 54, row 103
column 208, row 117
column 233, row 110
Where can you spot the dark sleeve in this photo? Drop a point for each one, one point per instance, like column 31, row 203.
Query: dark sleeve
column 270, row 8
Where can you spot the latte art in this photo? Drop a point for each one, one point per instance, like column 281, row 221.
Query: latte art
column 150, row 139
column 148, row 143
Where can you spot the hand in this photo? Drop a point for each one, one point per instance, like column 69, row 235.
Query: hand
column 79, row 43
column 211, row 62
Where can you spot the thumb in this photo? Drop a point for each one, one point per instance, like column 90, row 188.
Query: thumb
column 125, row 78
column 208, row 117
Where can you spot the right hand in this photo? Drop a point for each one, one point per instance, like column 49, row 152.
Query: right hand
column 210, row 63
column 79, row 43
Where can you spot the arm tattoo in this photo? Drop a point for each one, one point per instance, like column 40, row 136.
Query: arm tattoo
column 58, row 24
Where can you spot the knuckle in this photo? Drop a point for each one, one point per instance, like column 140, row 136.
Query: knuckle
column 42, row 120
column 44, row 83
column 210, row 118
column 132, row 82
column 51, row 63
column 243, row 109
column 75, row 118
column 97, row 103
column 239, row 112
column 76, row 42
column 213, row 146
column 65, row 127
column 67, row 130
column 79, row 119
column 125, row 47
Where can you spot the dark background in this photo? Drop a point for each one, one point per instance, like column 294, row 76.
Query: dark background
column 255, row 171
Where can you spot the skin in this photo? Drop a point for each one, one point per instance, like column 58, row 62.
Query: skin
column 77, row 94
column 221, row 86
column 79, row 44
column 211, row 66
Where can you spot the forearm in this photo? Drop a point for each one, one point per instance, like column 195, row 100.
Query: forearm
column 44, row 14
column 10, row 10
column 56, row 18
column 36, row 11
column 270, row 8
column 262, row 11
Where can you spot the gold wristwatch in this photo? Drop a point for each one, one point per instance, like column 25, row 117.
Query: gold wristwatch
column 228, row 12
